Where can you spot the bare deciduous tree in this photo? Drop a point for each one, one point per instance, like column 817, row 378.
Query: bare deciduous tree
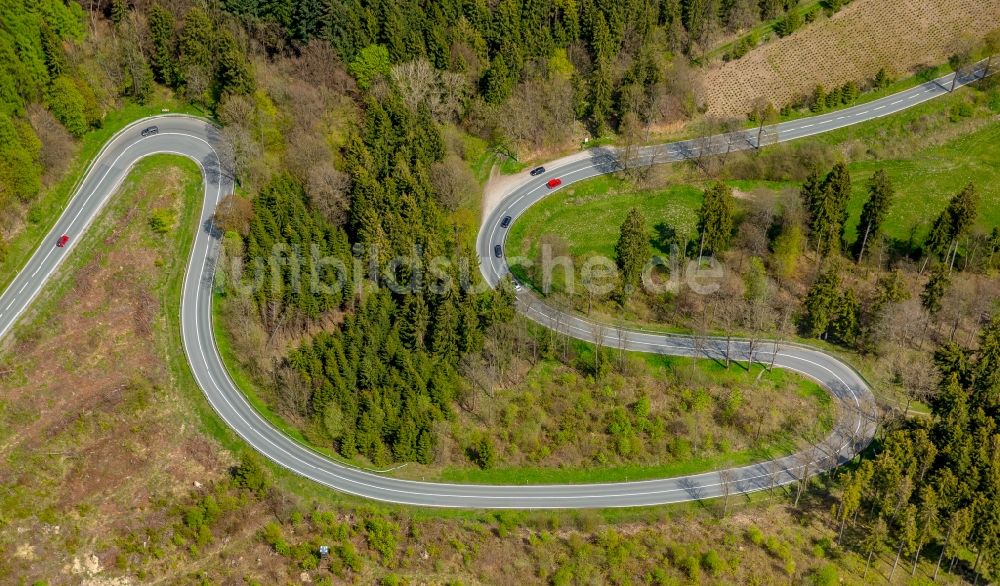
column 726, row 483
column 57, row 144
column 419, row 83
column 453, row 182
column 234, row 214
column 328, row 191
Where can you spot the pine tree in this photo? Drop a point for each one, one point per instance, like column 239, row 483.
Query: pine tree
column 413, row 326
column 425, row 448
column 927, row 521
column 444, row 332
column 601, row 97
column 935, row 289
column 601, row 46
column 813, row 202
column 715, row 218
column 845, row 326
column 906, row 534
column 119, row 10
column 771, row 9
column 838, row 181
column 55, row 57
column 874, row 541
column 235, row 75
column 632, row 251
column 196, row 60
column 953, row 223
column 162, row 34
column 874, row 212
column 822, row 303
column 790, row 23
column 743, row 14
column 964, row 208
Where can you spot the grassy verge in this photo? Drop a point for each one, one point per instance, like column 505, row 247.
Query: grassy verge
column 615, row 474
column 47, row 207
column 588, row 215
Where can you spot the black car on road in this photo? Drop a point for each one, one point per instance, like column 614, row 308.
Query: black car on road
column 505, row 222
column 151, row 130
column 537, row 171
column 498, row 251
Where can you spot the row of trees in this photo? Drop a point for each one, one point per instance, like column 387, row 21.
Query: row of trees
column 200, row 55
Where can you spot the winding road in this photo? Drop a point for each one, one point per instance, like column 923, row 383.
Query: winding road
column 202, row 142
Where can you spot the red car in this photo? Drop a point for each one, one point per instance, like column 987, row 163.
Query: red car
column 62, row 241
column 553, row 183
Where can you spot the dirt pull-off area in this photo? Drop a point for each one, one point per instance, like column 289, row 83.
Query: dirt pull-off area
column 900, row 35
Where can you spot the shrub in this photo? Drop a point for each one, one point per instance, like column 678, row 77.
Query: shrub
column 382, row 536
column 690, row 566
column 162, row 220
column 712, row 562
column 482, row 453
column 349, row 556
column 755, row 535
column 959, row 111
column 825, row 575
column 250, row 474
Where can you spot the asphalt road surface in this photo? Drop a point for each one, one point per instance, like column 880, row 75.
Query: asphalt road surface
column 202, row 142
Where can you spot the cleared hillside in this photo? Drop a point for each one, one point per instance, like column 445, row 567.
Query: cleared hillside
column 899, row 35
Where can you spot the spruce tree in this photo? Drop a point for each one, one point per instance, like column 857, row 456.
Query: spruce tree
column 935, row 289
column 162, row 34
column 444, row 332
column 631, row 251
column 601, row 97
column 413, row 325
column 822, row 303
column 874, row 212
column 953, row 223
column 715, row 218
column 839, row 183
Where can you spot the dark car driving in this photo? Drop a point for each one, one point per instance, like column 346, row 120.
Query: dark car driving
column 151, row 130
column 498, row 251
column 505, row 222
column 537, row 171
